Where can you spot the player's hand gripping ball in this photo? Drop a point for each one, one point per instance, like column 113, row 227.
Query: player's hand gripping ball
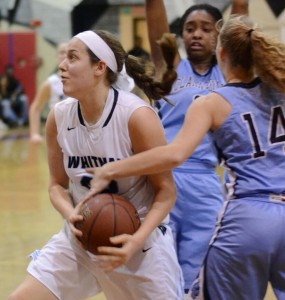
column 106, row 215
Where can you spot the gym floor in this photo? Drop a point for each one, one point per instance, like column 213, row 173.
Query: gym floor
column 27, row 219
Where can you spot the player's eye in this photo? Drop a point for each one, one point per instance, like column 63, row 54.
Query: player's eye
column 189, row 29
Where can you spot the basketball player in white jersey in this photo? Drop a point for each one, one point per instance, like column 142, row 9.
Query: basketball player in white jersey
column 96, row 125
column 51, row 92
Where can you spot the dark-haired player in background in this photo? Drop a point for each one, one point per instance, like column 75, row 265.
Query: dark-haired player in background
column 199, row 190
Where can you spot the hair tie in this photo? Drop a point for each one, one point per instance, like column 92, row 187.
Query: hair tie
column 249, row 32
column 124, row 81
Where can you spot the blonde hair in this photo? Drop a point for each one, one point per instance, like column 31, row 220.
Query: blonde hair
column 253, row 50
column 140, row 69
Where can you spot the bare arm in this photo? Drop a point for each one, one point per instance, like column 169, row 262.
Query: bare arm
column 37, row 105
column 162, row 182
column 240, row 7
column 157, row 24
column 58, row 179
column 201, row 116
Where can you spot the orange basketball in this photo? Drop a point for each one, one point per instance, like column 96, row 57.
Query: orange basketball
column 106, row 215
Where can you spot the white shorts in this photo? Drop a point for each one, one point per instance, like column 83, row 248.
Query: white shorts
column 70, row 273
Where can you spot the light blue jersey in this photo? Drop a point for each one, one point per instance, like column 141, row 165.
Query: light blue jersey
column 188, row 87
column 253, row 140
column 247, row 249
column 199, row 191
column 188, row 77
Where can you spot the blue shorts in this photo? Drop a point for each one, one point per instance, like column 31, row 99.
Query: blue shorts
column 193, row 218
column 246, row 253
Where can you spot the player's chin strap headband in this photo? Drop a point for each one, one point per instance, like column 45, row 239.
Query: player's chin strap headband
column 101, row 49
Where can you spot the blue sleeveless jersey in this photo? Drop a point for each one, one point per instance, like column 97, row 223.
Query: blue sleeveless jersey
column 252, row 139
column 189, row 86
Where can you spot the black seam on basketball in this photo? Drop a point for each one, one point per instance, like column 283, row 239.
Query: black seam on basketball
column 115, row 216
column 118, row 207
column 122, row 206
column 92, row 224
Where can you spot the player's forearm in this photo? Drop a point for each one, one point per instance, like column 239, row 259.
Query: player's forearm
column 34, row 121
column 153, row 161
column 61, row 200
column 157, row 24
column 156, row 18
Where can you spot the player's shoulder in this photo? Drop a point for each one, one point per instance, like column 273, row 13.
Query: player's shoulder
column 64, row 104
column 129, row 99
column 65, row 110
column 128, row 103
column 212, row 101
column 184, row 64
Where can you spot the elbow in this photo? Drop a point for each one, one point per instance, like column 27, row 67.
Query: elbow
column 167, row 190
column 176, row 159
column 53, row 189
column 50, row 191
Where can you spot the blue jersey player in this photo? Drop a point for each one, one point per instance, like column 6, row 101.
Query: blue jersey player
column 246, row 119
column 199, row 191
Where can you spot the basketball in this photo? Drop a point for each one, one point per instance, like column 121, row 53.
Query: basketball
column 106, row 215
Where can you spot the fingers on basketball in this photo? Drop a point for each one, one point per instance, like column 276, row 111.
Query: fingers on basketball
column 106, row 215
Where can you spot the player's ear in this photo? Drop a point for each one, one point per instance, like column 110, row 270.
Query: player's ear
column 100, row 67
column 222, row 53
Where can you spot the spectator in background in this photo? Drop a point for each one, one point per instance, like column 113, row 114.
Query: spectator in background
column 14, row 101
column 138, row 50
column 50, row 92
column 2, row 124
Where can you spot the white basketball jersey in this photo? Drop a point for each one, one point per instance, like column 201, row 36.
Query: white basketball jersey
column 56, row 90
column 108, row 140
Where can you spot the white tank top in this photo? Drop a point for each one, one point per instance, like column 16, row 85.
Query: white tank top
column 85, row 146
column 56, row 90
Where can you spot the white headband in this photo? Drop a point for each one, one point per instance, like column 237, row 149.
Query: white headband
column 99, row 47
